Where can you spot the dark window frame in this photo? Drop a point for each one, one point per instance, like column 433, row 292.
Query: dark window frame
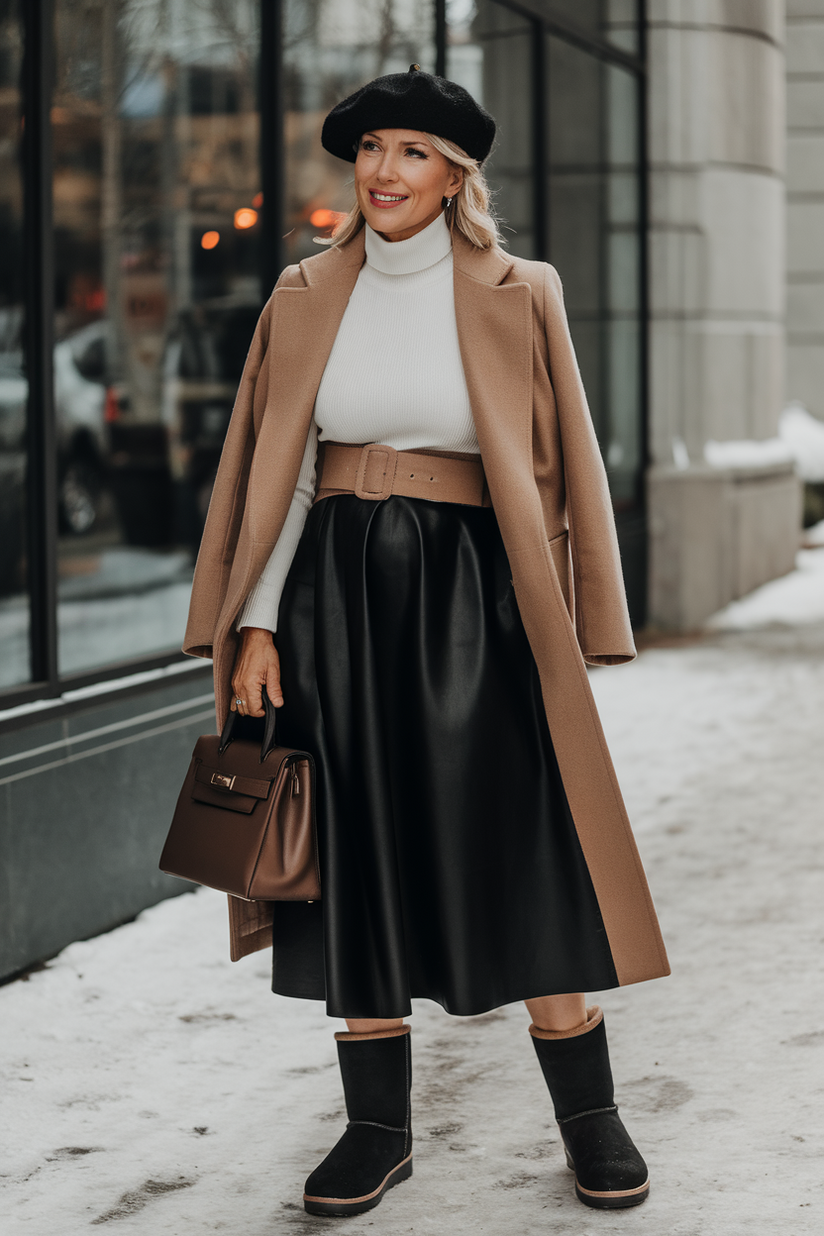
column 37, row 18
column 38, row 26
column 541, row 11
column 41, row 463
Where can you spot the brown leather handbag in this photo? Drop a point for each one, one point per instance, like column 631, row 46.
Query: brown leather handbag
column 245, row 819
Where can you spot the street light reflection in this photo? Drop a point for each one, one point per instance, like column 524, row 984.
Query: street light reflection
column 245, row 218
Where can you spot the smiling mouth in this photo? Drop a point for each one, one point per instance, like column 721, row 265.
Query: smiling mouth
column 387, row 199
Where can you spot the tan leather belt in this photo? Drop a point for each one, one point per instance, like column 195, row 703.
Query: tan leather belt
column 376, row 472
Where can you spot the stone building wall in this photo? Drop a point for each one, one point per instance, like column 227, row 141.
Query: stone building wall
column 717, row 255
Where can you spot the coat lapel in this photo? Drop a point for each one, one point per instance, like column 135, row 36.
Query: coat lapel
column 305, row 322
column 494, row 321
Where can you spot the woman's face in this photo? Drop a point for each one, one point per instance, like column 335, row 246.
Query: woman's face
column 401, row 181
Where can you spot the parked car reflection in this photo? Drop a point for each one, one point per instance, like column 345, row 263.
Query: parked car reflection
column 13, row 397
column 202, row 368
column 80, row 401
column 140, row 483
column 80, row 414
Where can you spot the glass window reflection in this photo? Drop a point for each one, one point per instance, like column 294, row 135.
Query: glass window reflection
column 613, row 21
column 14, row 602
column 489, row 51
column 593, row 190
column 156, row 203
column 329, row 50
column 590, row 193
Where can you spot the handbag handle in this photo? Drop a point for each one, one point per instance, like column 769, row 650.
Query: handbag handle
column 269, row 727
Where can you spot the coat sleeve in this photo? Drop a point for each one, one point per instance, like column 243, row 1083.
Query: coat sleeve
column 601, row 616
column 220, row 534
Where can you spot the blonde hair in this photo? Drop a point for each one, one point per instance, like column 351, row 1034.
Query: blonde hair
column 470, row 211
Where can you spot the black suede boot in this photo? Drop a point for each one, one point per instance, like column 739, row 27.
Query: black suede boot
column 609, row 1171
column 375, row 1152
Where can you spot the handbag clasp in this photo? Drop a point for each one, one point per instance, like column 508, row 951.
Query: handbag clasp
column 220, row 779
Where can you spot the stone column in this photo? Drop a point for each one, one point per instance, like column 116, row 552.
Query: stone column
column 717, row 302
column 805, row 203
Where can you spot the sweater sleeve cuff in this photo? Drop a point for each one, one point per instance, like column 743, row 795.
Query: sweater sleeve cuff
column 260, row 610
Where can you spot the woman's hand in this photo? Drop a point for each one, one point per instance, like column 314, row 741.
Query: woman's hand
column 257, row 663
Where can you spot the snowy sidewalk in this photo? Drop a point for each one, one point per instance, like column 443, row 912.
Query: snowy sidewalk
column 149, row 1086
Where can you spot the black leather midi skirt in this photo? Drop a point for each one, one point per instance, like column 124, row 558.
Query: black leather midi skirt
column 450, row 866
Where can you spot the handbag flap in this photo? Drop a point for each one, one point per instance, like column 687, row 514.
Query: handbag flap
column 234, row 783
column 221, row 787
column 223, row 798
column 236, row 779
column 270, row 853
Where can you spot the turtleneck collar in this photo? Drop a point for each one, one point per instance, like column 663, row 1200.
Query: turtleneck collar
column 405, row 257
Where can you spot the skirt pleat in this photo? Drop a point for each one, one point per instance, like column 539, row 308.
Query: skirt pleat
column 450, row 865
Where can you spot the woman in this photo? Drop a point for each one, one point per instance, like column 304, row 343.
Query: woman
column 474, row 847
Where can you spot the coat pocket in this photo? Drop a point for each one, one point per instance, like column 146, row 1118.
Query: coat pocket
column 559, row 548
column 529, row 575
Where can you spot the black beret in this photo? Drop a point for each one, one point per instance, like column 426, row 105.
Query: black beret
column 413, row 100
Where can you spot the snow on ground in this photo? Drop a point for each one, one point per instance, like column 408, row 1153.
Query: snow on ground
column 150, row 1086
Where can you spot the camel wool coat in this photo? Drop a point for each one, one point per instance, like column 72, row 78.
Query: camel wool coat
column 549, row 490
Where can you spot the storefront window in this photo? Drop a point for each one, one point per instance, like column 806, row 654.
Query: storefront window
column 330, row 49
column 14, row 603
column 566, row 177
column 490, row 54
column 156, row 203
column 594, row 217
column 155, row 243
column 623, row 307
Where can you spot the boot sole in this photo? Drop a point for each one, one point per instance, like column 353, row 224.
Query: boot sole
column 613, row 1199
column 357, row 1205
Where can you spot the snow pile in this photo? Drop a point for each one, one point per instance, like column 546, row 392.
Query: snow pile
column 747, row 453
column 800, row 441
column 804, row 435
column 680, row 454
column 814, row 536
column 794, row 600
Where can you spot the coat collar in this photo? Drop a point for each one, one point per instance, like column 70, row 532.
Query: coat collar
column 334, row 263
column 483, row 265
column 489, row 266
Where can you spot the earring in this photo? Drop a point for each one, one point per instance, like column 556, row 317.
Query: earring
column 449, row 201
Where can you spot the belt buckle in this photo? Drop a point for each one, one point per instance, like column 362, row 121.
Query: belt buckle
column 376, row 472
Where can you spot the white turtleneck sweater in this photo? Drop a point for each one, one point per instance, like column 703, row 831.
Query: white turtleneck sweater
column 394, row 375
